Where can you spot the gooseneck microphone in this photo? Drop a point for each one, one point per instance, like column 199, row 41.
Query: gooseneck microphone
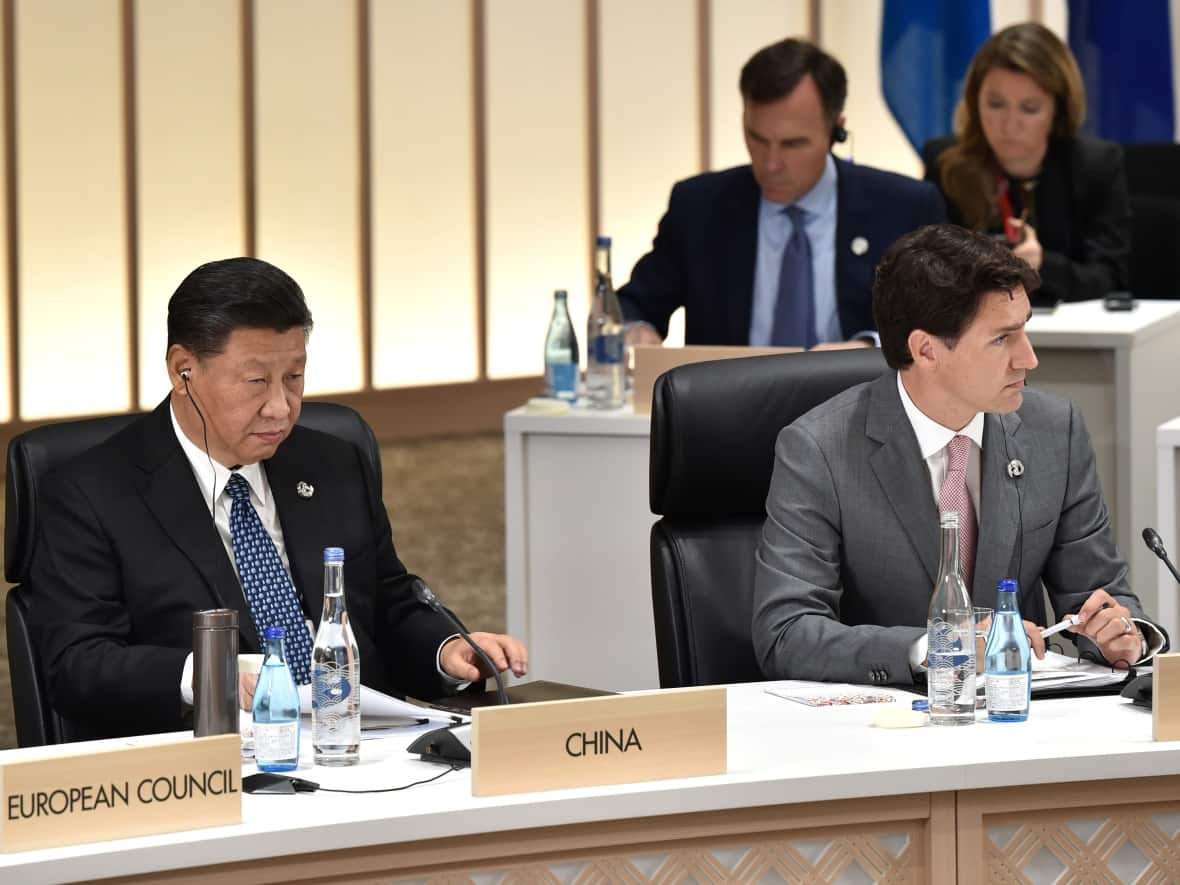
column 426, row 596
column 1152, row 539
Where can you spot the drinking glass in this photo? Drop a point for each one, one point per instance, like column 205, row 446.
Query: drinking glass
column 983, row 621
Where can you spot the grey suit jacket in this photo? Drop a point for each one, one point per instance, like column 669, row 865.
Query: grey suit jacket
column 849, row 552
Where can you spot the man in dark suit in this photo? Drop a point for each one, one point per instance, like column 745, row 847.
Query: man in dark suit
column 145, row 529
column 849, row 553
column 781, row 251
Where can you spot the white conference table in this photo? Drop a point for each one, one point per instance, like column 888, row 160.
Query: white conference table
column 809, row 791
column 578, row 521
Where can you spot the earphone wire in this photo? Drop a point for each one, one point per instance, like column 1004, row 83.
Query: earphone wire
column 205, row 439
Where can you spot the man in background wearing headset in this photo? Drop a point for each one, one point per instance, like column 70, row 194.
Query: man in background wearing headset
column 216, row 499
column 781, row 251
column 850, row 548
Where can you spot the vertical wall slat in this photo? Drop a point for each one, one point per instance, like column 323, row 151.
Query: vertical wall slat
column 424, row 194
column 71, row 208
column 190, row 158
column 364, row 188
column 535, row 71
column 131, row 197
column 307, row 173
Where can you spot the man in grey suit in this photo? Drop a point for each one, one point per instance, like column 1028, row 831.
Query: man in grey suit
column 849, row 552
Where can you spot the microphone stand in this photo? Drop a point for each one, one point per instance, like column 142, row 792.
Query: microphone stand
column 426, row 596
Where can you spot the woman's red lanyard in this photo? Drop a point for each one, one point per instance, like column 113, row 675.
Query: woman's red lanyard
column 1011, row 231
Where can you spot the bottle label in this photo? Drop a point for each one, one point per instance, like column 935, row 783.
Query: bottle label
column 276, row 740
column 951, row 665
column 335, row 704
column 1007, row 692
column 561, row 380
column 607, row 349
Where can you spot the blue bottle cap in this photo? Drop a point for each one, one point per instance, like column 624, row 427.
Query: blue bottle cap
column 1006, row 585
column 333, row 554
column 602, row 241
column 921, row 705
column 274, row 632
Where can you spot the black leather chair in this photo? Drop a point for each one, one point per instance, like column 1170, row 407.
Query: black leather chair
column 1153, row 180
column 31, row 456
column 713, row 431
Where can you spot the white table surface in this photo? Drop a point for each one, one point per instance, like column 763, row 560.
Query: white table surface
column 779, row 752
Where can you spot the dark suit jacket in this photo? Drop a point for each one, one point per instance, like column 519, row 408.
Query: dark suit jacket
column 704, row 251
column 127, row 552
column 849, row 552
column 1083, row 216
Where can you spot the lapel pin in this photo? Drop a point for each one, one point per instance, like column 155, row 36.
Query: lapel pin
column 1015, row 468
column 859, row 246
column 306, row 489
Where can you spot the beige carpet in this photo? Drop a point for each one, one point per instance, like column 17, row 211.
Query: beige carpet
column 446, row 502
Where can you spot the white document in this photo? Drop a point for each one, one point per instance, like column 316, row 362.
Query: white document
column 376, row 705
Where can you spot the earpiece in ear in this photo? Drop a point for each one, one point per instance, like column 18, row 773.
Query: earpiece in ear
column 185, row 373
column 839, row 133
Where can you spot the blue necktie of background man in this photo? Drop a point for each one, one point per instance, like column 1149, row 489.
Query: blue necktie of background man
column 794, row 310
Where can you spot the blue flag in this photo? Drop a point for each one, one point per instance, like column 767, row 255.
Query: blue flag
column 926, row 48
column 1125, row 53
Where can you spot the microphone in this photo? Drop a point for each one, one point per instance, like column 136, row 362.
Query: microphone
column 1152, row 539
column 426, row 596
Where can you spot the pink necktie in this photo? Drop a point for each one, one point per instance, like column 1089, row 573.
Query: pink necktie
column 954, row 496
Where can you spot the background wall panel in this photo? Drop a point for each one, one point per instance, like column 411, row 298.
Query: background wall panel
column 308, row 172
column 538, row 176
column 190, row 157
column 424, row 193
column 1009, row 12
column 71, row 208
column 6, row 336
column 738, row 29
column 648, row 117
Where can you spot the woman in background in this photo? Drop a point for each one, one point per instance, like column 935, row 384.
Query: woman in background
column 1018, row 168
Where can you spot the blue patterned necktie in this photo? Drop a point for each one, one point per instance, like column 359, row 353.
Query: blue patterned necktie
column 794, row 311
column 269, row 591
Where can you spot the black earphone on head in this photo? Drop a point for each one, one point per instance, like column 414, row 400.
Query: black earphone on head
column 839, row 133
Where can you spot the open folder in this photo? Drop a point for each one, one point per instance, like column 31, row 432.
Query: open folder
column 1060, row 672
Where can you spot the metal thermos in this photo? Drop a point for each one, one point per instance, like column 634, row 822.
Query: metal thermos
column 215, row 672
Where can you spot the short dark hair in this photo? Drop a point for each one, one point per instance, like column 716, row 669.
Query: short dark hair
column 935, row 279
column 774, row 71
column 234, row 293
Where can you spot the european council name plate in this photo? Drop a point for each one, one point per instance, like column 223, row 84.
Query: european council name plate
column 68, row 798
column 645, row 736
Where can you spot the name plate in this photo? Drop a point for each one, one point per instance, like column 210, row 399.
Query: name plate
column 585, row 742
column 112, row 794
column 1165, row 701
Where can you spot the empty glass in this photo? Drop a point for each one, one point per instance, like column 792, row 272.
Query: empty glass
column 983, row 622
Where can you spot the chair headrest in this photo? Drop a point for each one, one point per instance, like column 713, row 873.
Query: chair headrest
column 31, row 457
column 714, row 425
